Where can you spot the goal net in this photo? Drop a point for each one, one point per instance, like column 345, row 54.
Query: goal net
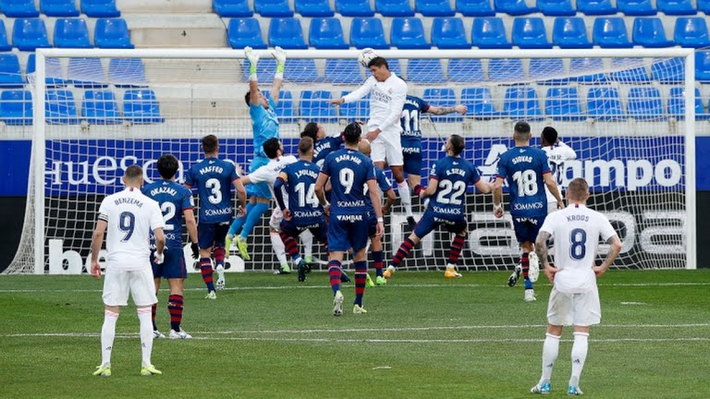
column 628, row 114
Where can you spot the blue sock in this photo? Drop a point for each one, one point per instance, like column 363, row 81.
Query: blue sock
column 253, row 217
column 239, row 222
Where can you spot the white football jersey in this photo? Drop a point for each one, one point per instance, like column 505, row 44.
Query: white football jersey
column 557, row 155
column 269, row 172
column 386, row 102
column 131, row 216
column 576, row 230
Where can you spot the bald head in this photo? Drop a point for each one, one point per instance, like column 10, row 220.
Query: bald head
column 364, row 147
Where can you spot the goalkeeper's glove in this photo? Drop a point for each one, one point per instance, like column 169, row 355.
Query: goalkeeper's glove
column 195, row 250
column 280, row 56
column 159, row 258
column 253, row 60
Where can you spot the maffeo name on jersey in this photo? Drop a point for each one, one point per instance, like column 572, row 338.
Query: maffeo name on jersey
column 211, row 169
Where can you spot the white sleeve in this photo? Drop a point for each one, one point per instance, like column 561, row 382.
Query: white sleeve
column 568, row 153
column 156, row 216
column 607, row 230
column 289, row 159
column 103, row 211
column 399, row 95
column 361, row 91
column 548, row 224
column 260, row 175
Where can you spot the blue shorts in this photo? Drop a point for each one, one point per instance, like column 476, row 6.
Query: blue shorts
column 343, row 235
column 259, row 189
column 413, row 161
column 526, row 228
column 212, row 234
column 319, row 230
column 173, row 265
column 430, row 221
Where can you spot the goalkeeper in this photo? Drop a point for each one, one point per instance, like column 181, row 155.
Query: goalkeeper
column 265, row 125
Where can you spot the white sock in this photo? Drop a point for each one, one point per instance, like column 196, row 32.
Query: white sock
column 550, row 349
column 406, row 197
column 307, row 241
column 146, row 330
column 108, row 333
column 279, row 248
column 579, row 355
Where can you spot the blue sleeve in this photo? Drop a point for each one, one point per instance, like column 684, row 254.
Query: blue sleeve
column 382, row 181
column 256, row 112
column 278, row 193
column 370, row 170
column 423, row 105
column 326, row 166
column 475, row 176
column 502, row 168
column 433, row 171
column 186, row 201
column 545, row 163
column 188, row 178
column 232, row 173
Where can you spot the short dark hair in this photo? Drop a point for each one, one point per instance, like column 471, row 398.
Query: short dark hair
column 549, row 134
column 210, row 143
column 247, row 98
column 352, row 133
column 577, row 189
column 305, row 145
column 133, row 172
column 272, row 147
column 311, row 130
column 522, row 131
column 457, row 144
column 167, row 166
column 378, row 62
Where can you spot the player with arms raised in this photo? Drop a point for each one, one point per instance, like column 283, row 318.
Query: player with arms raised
column 574, row 299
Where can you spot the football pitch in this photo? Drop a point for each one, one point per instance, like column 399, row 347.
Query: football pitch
column 268, row 336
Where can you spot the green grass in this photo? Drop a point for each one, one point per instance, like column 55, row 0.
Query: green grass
column 424, row 337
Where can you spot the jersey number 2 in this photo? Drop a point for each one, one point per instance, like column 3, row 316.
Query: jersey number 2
column 455, row 189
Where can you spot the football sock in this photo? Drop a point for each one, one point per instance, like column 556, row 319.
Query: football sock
column 279, row 248
column 378, row 257
column 405, row 196
column 108, row 333
column 307, row 242
column 549, row 354
column 154, row 311
column 175, row 305
column 206, row 270
column 334, row 272
column 579, row 355
column 360, row 280
column 253, row 218
column 402, row 252
column 146, row 330
column 291, row 247
column 525, row 263
column 219, row 254
column 456, row 247
column 239, row 222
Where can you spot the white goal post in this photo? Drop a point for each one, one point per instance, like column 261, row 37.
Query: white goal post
column 641, row 161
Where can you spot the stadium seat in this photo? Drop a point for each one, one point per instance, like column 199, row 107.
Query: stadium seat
column 86, row 73
column 522, row 102
column 630, row 74
column 408, row 33
column 668, row 70
column 570, row 33
column 19, row 8
column 58, row 8
column 359, row 110
column 265, row 71
column 71, row 33
column 53, row 70
column 232, row 8
column 563, row 104
column 425, row 71
column 591, row 68
column 610, row 32
column 704, row 6
column 10, row 73
column 314, row 106
column 354, row 8
column 326, row 33
column 100, row 107
column 273, row 8
column 4, row 43
column 636, row 8
column 243, row 32
column 506, row 70
column 434, row 8
column 596, row 7
column 489, row 33
column 100, row 8
column 60, row 107
column 449, row 33
column 475, row 8
column 284, row 107
column 29, row 34
column 644, row 103
column 112, row 33
column 343, row 71
column 604, row 104
column 286, row 33
column 140, row 106
column 548, row 71
column 301, row 71
column 676, row 7
column 479, row 102
column 529, row 33
column 702, row 66
column 16, row 107
column 513, row 7
column 649, row 32
column 313, row 8
column 367, row 32
column 556, row 8
column 394, row 8
column 394, row 66
column 126, row 72
column 691, row 32
column 676, row 104
column 444, row 97
column 466, row 70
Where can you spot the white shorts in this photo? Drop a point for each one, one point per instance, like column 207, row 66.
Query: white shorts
column 276, row 218
column 118, row 283
column 387, row 147
column 565, row 309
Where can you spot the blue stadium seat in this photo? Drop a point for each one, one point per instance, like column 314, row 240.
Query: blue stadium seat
column 425, row 71
column 112, row 33
column 636, row 8
column 60, row 107
column 16, row 107
column 313, row 8
column 265, row 70
column 232, row 8
column 475, row 8
column 548, row 71
column 676, row 104
column 273, row 8
column 442, row 97
column 326, row 33
column 287, row 33
column 4, row 43
column 243, row 32
column 408, row 33
column 449, row 33
column 479, row 102
column 301, row 71
column 71, row 33
column 570, row 33
column 631, row 74
column 86, row 73
column 506, row 70
column 530, row 33
column 29, row 34
column 676, row 7
column 610, row 32
column 604, row 104
column 489, row 33
column 58, row 8
column 354, row 8
column 466, row 70
column 394, row 8
column 100, row 8
column 649, row 32
column 10, row 73
column 513, row 7
column 53, row 71
column 702, row 66
column 704, row 6
column 284, row 108
column 596, row 7
column 127, row 72
column 691, row 32
column 394, row 66
column 19, row 8
column 668, row 70
column 521, row 102
column 314, row 106
column 367, row 32
column 434, row 8
column 644, row 103
column 592, row 69
column 100, row 107
column 557, row 8
column 563, row 104
column 343, row 71
column 140, row 106
column 359, row 110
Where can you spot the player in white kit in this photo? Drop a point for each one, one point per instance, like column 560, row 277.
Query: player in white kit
column 574, row 299
column 127, row 218
column 557, row 154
